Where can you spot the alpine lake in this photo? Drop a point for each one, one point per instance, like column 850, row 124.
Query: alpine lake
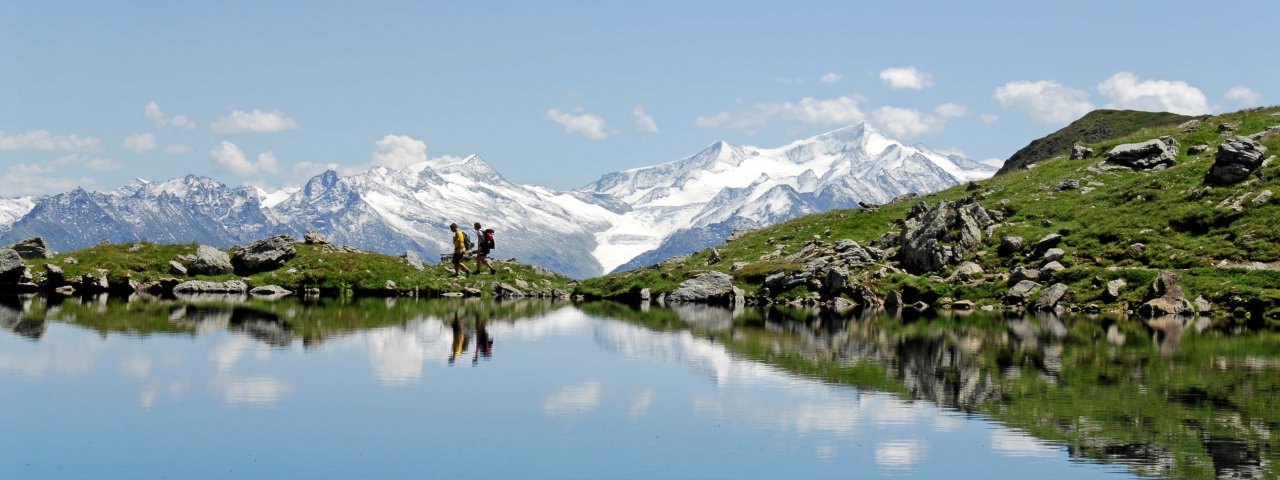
column 393, row 388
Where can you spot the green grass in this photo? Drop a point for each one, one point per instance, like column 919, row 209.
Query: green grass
column 312, row 267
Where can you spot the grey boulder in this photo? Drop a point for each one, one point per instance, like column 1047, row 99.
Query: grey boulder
column 264, row 255
column 710, row 288
column 1235, row 161
column 210, row 261
column 1145, row 155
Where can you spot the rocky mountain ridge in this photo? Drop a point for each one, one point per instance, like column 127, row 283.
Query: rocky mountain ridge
column 626, row 219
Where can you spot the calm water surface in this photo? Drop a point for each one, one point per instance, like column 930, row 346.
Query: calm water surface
column 403, row 388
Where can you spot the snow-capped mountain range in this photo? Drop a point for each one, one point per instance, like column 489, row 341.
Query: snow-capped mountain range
column 624, row 220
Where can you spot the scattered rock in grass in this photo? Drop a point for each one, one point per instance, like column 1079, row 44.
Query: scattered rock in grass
column 264, row 255
column 1048, row 241
column 1137, row 249
column 1235, row 161
column 1053, row 255
column 1049, row 298
column 1068, row 185
column 1021, row 291
column 1050, row 269
column 1202, row 305
column 710, row 287
column 1112, row 292
column 1009, row 246
column 1262, row 198
column 1145, row 155
column 966, row 271
column 503, row 290
column 210, row 261
column 270, row 291
column 1189, row 125
column 411, row 257
column 1019, row 274
column 176, row 268
column 963, row 305
column 1197, row 149
column 314, row 238
column 1080, row 152
column 201, row 286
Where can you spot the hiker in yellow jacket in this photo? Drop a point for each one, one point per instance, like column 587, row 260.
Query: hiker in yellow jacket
column 459, row 250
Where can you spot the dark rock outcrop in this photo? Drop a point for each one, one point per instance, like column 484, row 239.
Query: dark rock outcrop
column 1235, row 161
column 33, row 248
column 264, row 255
column 11, row 266
column 932, row 238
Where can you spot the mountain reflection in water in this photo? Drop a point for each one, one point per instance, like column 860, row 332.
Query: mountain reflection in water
column 1169, row 397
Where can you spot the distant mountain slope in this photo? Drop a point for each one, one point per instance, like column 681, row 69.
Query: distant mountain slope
column 11, row 209
column 626, row 219
column 695, row 202
column 1096, row 126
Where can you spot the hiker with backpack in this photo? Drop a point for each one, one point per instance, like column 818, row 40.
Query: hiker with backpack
column 460, row 246
column 486, row 246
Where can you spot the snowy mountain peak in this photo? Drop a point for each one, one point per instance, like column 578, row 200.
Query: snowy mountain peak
column 625, row 219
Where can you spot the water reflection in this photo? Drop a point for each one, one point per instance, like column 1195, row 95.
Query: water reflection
column 1170, row 397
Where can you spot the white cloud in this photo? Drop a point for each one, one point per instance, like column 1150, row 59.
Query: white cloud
column 1245, row 96
column 175, row 149
column 257, row 391
column 993, row 161
column 1046, row 101
column 644, row 121
column 399, row 151
column 988, row 118
column 573, row 399
column 789, row 80
column 831, row 77
column 586, row 124
column 907, row 123
column 255, row 121
column 46, row 177
column 140, row 142
column 228, row 156
column 898, row 454
column 951, row 110
column 1128, row 91
column 47, row 141
column 153, row 112
column 1017, row 443
column 906, row 77
column 811, row 111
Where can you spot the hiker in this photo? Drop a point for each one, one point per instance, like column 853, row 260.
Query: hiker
column 486, row 245
column 459, row 250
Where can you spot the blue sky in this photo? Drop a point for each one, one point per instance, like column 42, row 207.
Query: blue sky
column 558, row 93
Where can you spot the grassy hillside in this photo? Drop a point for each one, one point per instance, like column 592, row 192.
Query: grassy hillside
column 1171, row 213
column 1096, row 127
column 314, row 266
